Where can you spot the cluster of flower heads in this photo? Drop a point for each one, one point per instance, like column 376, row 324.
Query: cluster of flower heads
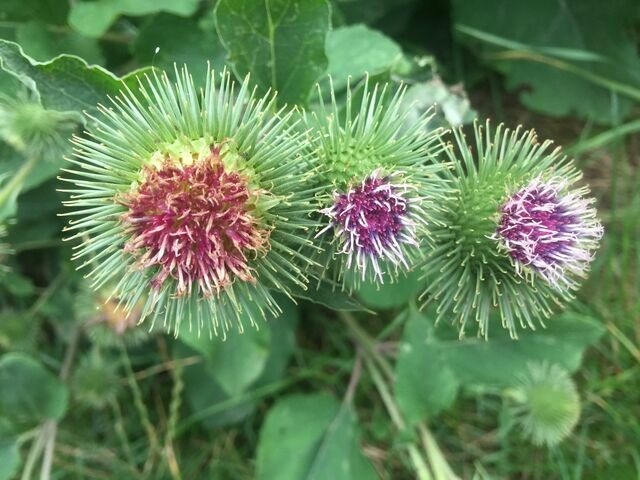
column 199, row 204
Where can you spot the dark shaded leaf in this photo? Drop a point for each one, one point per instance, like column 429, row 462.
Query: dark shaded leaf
column 30, row 394
column 94, row 18
column 280, row 42
column 311, row 437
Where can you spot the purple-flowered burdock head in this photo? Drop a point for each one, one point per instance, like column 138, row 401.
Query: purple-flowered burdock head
column 550, row 230
column 194, row 223
column 373, row 221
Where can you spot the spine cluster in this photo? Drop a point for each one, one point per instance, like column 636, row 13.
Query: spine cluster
column 371, row 222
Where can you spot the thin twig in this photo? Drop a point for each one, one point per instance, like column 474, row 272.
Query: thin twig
column 50, row 427
column 356, row 372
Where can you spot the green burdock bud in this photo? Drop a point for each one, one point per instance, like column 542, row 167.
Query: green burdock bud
column 95, row 380
column 33, row 130
column 516, row 237
column 195, row 202
column 107, row 325
column 545, row 403
column 379, row 185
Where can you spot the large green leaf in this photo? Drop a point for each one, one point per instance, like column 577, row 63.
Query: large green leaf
column 30, row 394
column 50, row 11
column 329, row 295
column 203, row 393
column 191, row 42
column 433, row 362
column 65, row 83
column 390, row 295
column 236, row 361
column 425, row 384
column 283, row 342
column 280, row 42
column 203, row 390
column 9, row 450
column 589, row 34
column 355, row 50
column 311, row 437
column 94, row 18
column 42, row 44
column 240, row 359
column 9, row 459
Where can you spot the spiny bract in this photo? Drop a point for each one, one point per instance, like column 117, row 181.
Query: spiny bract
column 546, row 404
column 379, row 184
column 192, row 204
column 515, row 238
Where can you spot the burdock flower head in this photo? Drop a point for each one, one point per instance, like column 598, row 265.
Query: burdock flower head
column 549, row 230
column 380, row 185
column 517, row 236
column 193, row 202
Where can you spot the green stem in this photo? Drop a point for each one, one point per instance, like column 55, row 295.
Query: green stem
column 419, row 463
column 12, row 188
column 437, row 460
column 379, row 368
column 50, row 428
column 32, row 457
column 122, row 434
column 368, row 344
column 142, row 410
column 174, row 412
column 371, row 358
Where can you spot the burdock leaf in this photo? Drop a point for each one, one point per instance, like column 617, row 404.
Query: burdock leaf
column 428, row 351
column 391, row 294
column 42, row 44
column 281, row 42
column 542, row 56
column 235, row 362
column 191, row 42
column 355, row 50
column 425, row 385
column 30, row 394
column 65, row 83
column 95, row 18
column 311, row 437
column 205, row 381
column 240, row 360
column 9, row 458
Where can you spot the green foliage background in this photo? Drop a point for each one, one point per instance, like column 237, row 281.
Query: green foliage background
column 337, row 387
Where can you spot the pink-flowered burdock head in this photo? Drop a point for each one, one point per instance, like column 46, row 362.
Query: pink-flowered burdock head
column 194, row 223
column 549, row 230
column 373, row 220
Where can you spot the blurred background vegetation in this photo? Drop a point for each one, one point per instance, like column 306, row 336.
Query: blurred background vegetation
column 84, row 393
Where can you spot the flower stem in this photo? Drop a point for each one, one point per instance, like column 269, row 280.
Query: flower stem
column 152, row 437
column 371, row 357
column 379, row 368
column 419, row 463
column 11, row 190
